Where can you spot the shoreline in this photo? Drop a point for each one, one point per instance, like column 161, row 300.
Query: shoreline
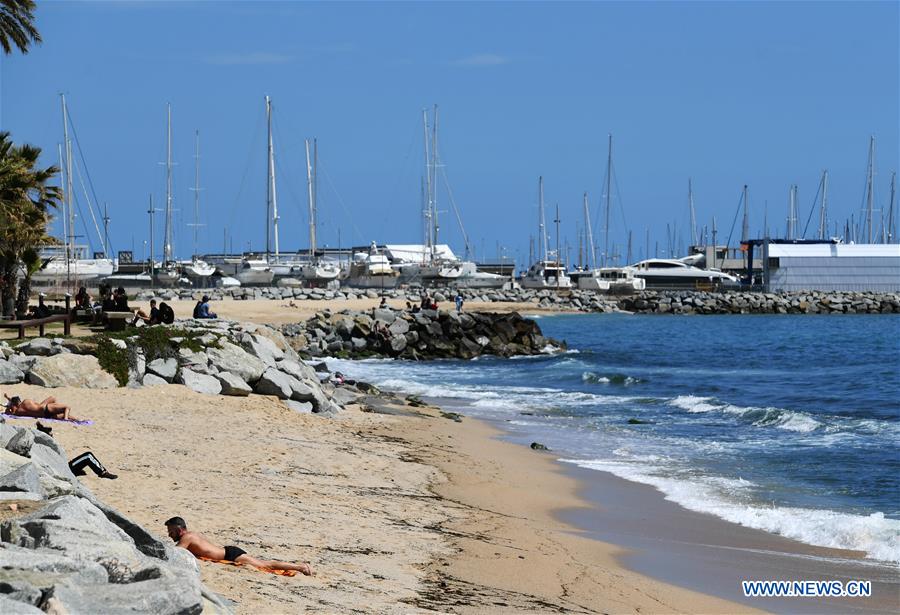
column 407, row 513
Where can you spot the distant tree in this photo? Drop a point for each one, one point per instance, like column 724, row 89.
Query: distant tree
column 17, row 25
column 25, row 205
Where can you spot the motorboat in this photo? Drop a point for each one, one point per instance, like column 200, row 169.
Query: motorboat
column 253, row 272
column 372, row 269
column 472, row 278
column 676, row 273
column 547, row 274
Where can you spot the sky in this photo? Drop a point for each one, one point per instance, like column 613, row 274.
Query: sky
column 725, row 93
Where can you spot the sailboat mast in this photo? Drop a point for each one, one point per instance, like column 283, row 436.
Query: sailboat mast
column 312, row 209
column 608, row 190
column 70, row 239
column 890, row 223
column 273, row 201
column 434, row 164
column 870, row 189
column 167, row 247
column 428, row 187
column 791, row 217
column 745, row 226
column 196, row 193
column 823, row 212
column 315, row 187
column 693, row 215
column 556, row 220
column 592, row 254
column 542, row 238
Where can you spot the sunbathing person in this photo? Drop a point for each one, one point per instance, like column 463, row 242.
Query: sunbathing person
column 48, row 408
column 199, row 546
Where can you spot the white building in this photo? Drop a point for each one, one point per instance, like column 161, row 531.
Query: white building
column 833, row 266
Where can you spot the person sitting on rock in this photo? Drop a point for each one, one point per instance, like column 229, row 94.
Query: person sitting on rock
column 201, row 310
column 87, row 459
column 200, row 547
column 153, row 318
column 48, row 408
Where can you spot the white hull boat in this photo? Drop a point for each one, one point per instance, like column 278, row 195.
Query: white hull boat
column 547, row 275
column 674, row 273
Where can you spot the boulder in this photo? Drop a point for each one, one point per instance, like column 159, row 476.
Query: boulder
column 277, row 383
column 71, row 370
column 10, row 374
column 234, row 359
column 21, row 443
column 23, row 479
column 200, row 383
column 232, row 384
column 385, row 315
column 299, row 370
column 263, row 348
column 301, row 407
column 164, row 368
column 153, row 380
column 16, row 607
column 39, row 346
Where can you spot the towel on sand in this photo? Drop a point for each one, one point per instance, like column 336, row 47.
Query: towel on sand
column 282, row 573
column 42, row 419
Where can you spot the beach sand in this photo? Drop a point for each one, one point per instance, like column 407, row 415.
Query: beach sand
column 397, row 513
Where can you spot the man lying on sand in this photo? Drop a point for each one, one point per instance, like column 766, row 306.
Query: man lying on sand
column 47, row 409
column 201, row 547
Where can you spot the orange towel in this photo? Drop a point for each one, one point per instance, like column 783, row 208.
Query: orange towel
column 283, row 573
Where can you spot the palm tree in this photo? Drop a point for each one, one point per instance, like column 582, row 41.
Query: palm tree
column 25, row 204
column 17, row 25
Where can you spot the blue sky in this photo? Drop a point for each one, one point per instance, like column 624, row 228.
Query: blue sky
column 726, row 93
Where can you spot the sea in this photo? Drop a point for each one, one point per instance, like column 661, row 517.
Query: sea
column 787, row 424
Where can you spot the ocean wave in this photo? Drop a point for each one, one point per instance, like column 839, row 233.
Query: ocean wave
column 789, row 420
column 617, row 379
column 729, row 499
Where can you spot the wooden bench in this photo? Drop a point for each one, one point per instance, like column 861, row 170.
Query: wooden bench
column 21, row 325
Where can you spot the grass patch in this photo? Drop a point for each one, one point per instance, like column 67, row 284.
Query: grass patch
column 112, row 359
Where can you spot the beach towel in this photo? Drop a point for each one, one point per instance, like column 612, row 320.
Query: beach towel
column 281, row 573
column 42, row 419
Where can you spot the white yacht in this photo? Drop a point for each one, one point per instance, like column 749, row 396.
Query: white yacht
column 58, row 268
column 547, row 274
column 372, row 269
column 254, row 272
column 472, row 278
column 675, row 273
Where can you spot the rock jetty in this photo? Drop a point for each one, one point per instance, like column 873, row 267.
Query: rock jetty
column 64, row 551
column 724, row 302
column 426, row 334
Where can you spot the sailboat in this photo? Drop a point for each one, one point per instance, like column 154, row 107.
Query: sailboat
column 547, row 272
column 316, row 270
column 372, row 269
column 69, row 262
column 168, row 274
column 197, row 270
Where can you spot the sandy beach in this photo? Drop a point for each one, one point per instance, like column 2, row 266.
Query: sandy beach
column 398, row 514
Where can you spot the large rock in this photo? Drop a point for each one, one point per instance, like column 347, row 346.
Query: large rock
column 234, row 359
column 10, row 374
column 263, row 348
column 277, row 383
column 232, row 384
column 23, row 479
column 201, row 383
column 164, row 368
column 300, row 371
column 21, row 443
column 71, row 370
column 161, row 593
column 16, row 607
column 151, row 380
column 39, row 346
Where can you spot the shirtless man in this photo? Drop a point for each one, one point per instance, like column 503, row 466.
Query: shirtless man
column 201, row 547
column 48, row 408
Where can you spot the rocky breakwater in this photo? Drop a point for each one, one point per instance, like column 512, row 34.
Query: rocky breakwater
column 64, row 551
column 733, row 302
column 215, row 357
column 425, row 334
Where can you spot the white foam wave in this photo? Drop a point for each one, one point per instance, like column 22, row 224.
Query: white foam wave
column 789, row 420
column 728, row 499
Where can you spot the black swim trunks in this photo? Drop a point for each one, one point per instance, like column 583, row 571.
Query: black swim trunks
column 47, row 414
column 232, row 553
